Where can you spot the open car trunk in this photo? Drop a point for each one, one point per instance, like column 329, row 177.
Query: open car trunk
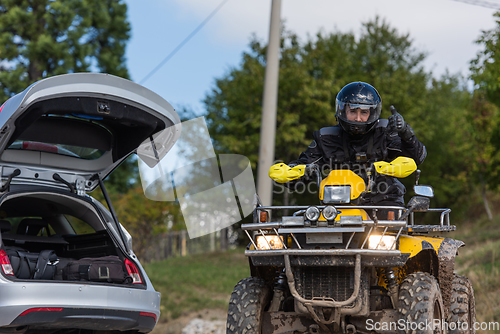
column 58, row 236
column 82, row 126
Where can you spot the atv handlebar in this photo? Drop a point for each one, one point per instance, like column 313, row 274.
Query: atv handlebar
column 313, row 168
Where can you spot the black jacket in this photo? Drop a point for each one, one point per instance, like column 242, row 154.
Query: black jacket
column 333, row 148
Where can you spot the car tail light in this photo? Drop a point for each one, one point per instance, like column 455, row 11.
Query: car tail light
column 5, row 262
column 133, row 272
column 41, row 309
column 148, row 314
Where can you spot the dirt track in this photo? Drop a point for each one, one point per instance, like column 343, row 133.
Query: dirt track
column 209, row 321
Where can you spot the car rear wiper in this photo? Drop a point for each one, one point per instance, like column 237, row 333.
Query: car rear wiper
column 58, row 177
column 6, row 185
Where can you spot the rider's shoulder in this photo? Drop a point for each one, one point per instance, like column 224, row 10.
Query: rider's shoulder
column 330, row 131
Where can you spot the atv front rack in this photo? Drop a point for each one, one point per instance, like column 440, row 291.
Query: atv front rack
column 297, row 220
column 292, row 225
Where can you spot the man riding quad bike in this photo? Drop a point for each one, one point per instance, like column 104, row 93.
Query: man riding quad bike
column 356, row 263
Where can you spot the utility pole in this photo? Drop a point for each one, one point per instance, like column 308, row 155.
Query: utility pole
column 269, row 107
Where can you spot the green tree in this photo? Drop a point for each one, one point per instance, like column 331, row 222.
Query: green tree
column 484, row 116
column 485, row 68
column 125, row 177
column 483, row 119
column 312, row 73
column 442, row 126
column 41, row 38
column 145, row 219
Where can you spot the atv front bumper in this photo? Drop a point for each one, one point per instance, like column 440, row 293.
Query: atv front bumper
column 327, row 257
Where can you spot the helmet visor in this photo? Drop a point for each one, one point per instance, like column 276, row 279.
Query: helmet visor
column 358, row 113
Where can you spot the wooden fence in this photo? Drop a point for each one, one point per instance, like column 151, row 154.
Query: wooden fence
column 178, row 243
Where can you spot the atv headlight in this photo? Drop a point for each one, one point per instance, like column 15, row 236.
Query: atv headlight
column 330, row 213
column 382, row 242
column 337, row 194
column 312, row 213
column 272, row 240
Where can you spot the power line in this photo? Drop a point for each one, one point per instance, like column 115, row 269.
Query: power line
column 167, row 58
column 481, row 3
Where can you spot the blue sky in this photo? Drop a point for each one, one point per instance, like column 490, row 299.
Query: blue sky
column 445, row 29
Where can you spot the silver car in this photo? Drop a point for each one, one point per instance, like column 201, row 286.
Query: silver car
column 67, row 265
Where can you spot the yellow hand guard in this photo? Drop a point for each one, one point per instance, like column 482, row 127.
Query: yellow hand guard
column 281, row 173
column 400, row 167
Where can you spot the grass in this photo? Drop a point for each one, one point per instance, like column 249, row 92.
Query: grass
column 479, row 260
column 197, row 282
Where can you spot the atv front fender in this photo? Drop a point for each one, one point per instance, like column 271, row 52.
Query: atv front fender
column 444, row 249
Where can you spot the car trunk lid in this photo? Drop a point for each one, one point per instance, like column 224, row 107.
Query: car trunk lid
column 81, row 126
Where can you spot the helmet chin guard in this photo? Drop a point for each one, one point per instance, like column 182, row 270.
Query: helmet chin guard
column 354, row 129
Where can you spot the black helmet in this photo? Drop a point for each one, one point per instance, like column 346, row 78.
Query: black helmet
column 358, row 95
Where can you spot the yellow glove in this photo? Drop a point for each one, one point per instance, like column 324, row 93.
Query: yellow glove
column 281, row 173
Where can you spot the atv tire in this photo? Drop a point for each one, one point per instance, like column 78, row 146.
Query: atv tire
column 462, row 308
column 246, row 306
column 420, row 304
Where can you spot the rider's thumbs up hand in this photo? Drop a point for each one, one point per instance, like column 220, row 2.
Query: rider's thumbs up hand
column 397, row 123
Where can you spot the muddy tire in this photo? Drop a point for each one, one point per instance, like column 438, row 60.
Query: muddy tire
column 246, row 306
column 462, row 308
column 420, row 304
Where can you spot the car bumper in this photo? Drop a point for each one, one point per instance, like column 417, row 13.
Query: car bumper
column 70, row 305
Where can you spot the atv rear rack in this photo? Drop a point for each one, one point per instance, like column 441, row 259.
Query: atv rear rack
column 444, row 223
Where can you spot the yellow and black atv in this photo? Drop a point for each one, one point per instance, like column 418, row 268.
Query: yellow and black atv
column 338, row 268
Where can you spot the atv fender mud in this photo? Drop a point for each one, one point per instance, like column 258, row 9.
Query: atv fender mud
column 445, row 249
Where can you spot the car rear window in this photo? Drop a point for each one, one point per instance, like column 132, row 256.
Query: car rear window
column 40, row 226
column 68, row 150
column 70, row 135
column 79, row 226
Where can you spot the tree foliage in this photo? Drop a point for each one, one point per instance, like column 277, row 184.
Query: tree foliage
column 41, row 38
column 485, row 68
column 125, row 177
column 312, row 73
column 145, row 219
column 484, row 114
column 443, row 128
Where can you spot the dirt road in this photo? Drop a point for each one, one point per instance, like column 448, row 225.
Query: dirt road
column 209, row 321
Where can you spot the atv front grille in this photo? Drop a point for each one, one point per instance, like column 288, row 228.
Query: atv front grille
column 325, row 282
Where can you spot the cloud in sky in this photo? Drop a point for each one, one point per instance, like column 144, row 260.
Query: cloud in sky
column 445, row 29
